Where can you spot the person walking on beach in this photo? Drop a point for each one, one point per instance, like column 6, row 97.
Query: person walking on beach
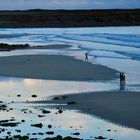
column 86, row 56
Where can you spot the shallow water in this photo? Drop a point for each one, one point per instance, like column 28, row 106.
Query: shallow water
column 10, row 87
column 64, row 124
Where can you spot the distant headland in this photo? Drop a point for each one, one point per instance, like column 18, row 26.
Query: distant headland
column 69, row 18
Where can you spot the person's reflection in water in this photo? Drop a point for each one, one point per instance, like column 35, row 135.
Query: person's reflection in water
column 122, row 86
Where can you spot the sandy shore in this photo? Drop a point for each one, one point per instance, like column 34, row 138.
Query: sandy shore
column 53, row 46
column 117, row 107
column 53, row 67
column 10, row 36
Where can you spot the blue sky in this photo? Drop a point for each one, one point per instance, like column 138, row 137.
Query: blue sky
column 68, row 4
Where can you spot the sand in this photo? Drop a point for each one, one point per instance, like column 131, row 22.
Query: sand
column 53, row 67
column 11, row 35
column 53, row 46
column 118, row 107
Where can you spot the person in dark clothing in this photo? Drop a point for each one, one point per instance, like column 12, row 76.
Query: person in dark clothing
column 86, row 56
column 122, row 81
column 123, row 78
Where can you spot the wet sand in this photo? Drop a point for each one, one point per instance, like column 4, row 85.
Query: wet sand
column 53, row 46
column 118, row 107
column 53, row 67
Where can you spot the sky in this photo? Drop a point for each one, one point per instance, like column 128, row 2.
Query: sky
column 68, row 4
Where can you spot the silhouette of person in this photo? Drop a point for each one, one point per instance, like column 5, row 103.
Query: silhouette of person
column 122, row 81
column 86, row 56
column 123, row 78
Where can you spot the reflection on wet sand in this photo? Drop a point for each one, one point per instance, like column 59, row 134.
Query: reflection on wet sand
column 67, row 123
column 45, row 88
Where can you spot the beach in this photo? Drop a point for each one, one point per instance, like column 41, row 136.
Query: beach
column 119, row 107
column 53, row 67
column 56, row 66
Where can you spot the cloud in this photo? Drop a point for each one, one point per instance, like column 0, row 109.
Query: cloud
column 67, row 4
